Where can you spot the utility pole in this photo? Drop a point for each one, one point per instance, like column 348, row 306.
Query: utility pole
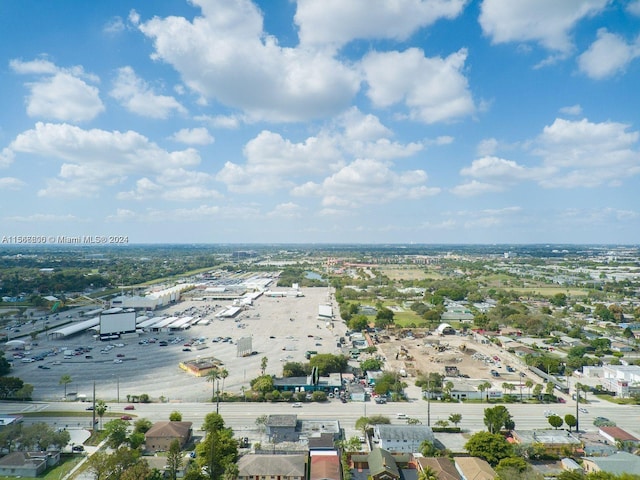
column 428, row 402
column 93, row 410
column 577, row 406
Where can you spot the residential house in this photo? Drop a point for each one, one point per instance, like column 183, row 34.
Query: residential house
column 619, row 437
column 401, row 438
column 555, row 442
column 283, row 467
column 324, row 465
column 160, row 463
column 382, row 465
column 282, row 428
column 27, row 464
column 160, row 436
column 619, row 462
column 473, row 468
column 443, row 467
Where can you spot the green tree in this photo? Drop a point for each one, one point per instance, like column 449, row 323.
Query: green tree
column 224, row 373
column 116, row 431
column 428, row 473
column 384, row 318
column 555, row 421
column 570, row 420
column 142, row 425
column 496, row 418
column 65, row 380
column 537, row 390
column 101, row 409
column 262, row 384
column 213, row 376
column 218, row 450
column 371, row 364
column 358, row 323
column 263, row 365
column 175, row 416
column 328, row 363
column 455, row 418
column 293, row 369
column 174, row 459
column 484, row 387
column 492, row 447
column 428, row 449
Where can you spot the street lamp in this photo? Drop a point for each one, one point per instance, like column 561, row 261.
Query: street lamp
column 217, row 396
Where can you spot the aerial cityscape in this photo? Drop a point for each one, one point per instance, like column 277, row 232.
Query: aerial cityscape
column 520, row 359
column 320, row 240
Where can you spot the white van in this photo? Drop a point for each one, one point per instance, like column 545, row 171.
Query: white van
column 27, row 360
column 401, row 416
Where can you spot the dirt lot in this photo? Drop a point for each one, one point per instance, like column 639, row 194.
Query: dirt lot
column 432, row 354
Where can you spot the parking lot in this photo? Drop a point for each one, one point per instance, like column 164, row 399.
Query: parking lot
column 282, row 329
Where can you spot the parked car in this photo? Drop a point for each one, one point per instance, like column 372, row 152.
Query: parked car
column 129, row 407
column 77, row 448
column 297, row 405
column 126, row 417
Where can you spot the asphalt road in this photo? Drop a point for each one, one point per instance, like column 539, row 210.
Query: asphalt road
column 242, row 416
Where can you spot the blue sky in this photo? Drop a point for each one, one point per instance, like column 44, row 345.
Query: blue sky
column 321, row 121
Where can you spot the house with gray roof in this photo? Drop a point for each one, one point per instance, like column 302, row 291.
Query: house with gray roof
column 619, row 462
column 401, row 438
column 284, row 467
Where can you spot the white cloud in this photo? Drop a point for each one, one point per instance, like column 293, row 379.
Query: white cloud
column 368, row 182
column 93, row 159
column 6, row 157
column 11, row 183
column 193, row 136
column 498, row 169
column 633, row 7
column 60, row 94
column 548, row 22
column 222, row 121
column 434, row 89
column 139, row 98
column 487, row 147
column 585, row 154
column 474, row 187
column 287, row 210
column 336, row 22
column 571, row 110
column 114, row 25
column 608, row 55
column 43, row 217
column 224, row 55
column 197, row 214
column 274, row 162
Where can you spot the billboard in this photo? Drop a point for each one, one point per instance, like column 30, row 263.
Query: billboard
column 115, row 323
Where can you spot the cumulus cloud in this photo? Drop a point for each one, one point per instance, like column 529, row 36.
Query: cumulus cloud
column 368, row 182
column 633, row 7
column 336, row 22
column 114, row 26
column 59, row 93
column 225, row 56
column 93, row 159
column 586, row 154
column 571, row 110
column 139, row 98
column 287, row 210
column 193, row 136
column 11, row 183
column 433, row 89
column 609, row 55
column 547, row 22
column 474, row 188
column 274, row 162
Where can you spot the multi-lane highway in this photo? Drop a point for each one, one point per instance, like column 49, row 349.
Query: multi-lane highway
column 242, row 416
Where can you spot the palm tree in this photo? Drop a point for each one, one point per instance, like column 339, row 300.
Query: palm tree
column 101, row 409
column 263, row 365
column 428, row 473
column 529, row 385
column 65, row 380
column 484, row 386
column 224, row 373
column 213, row 376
